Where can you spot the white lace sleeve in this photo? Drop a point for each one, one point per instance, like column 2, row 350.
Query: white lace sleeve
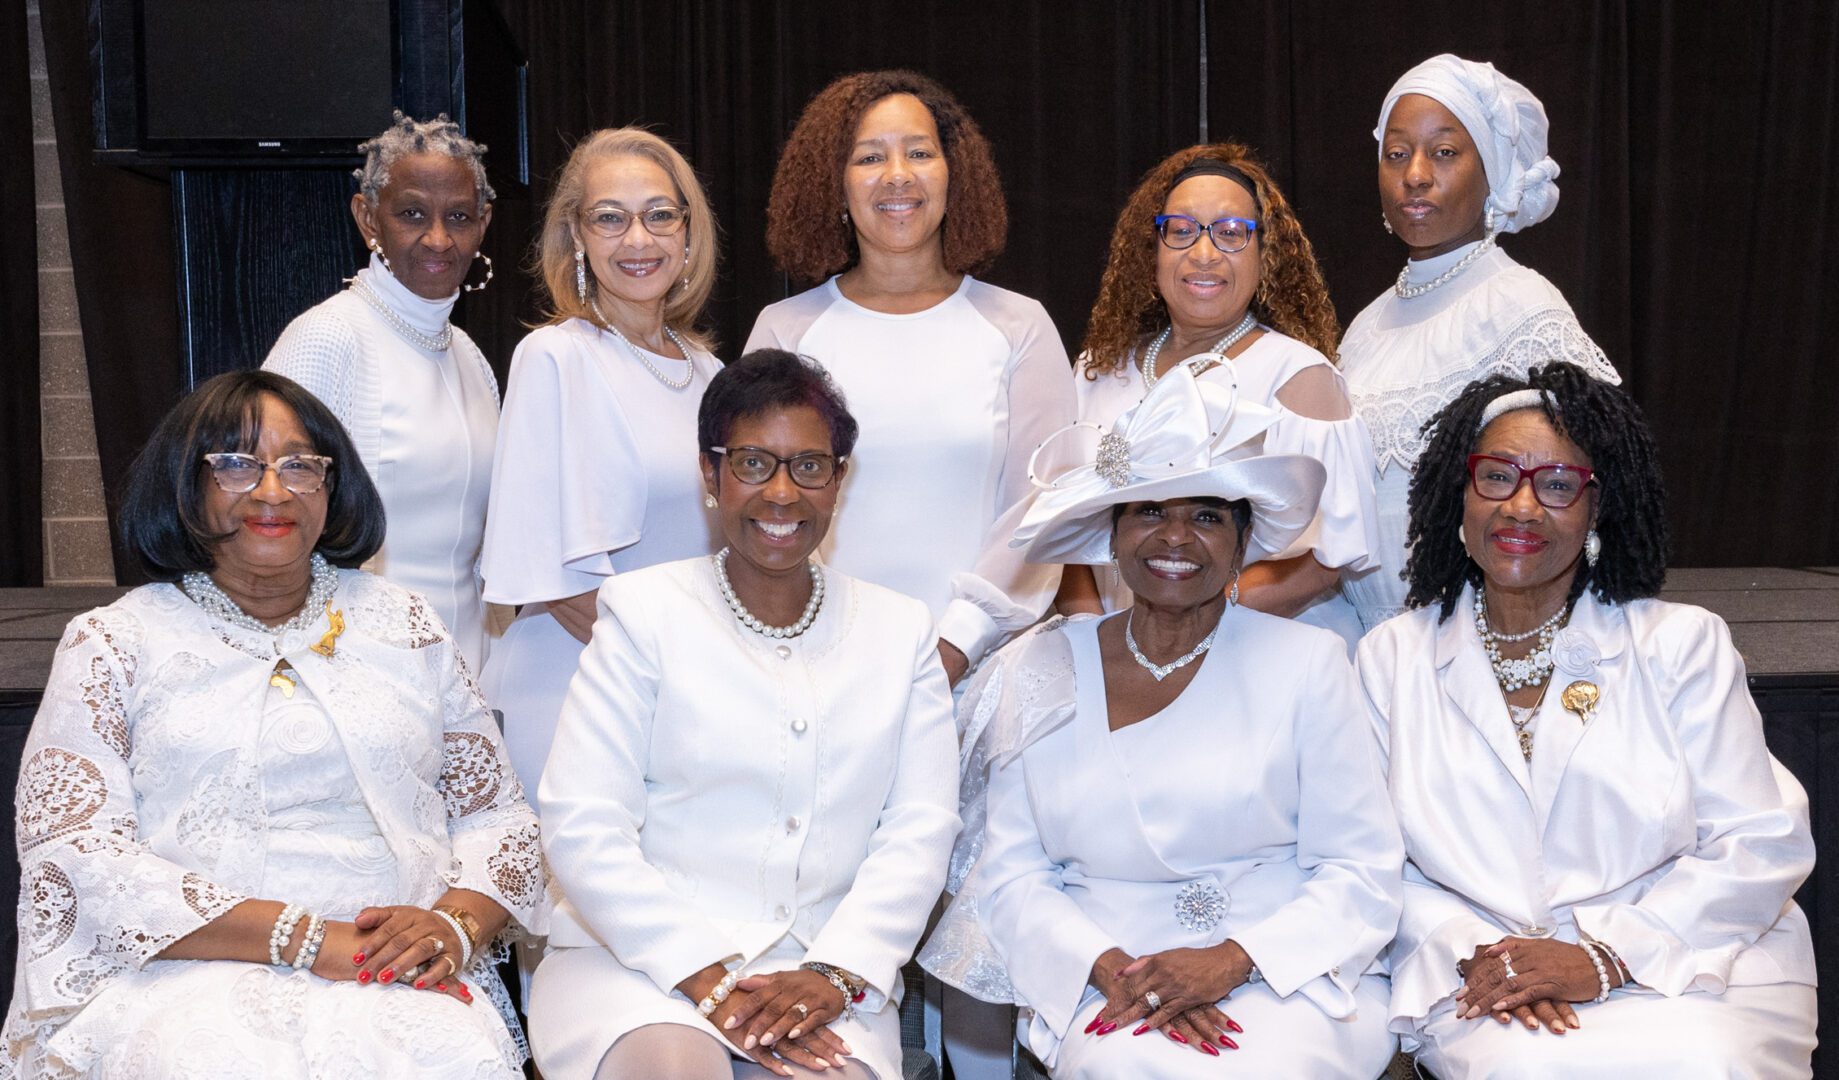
column 95, row 901
column 1396, row 417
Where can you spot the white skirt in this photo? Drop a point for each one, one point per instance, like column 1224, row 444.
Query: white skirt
column 582, row 1001
column 1748, row 1032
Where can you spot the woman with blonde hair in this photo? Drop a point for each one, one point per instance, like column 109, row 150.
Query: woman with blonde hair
column 1209, row 267
column 595, row 472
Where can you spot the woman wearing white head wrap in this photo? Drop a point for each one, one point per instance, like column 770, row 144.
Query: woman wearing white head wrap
column 1462, row 159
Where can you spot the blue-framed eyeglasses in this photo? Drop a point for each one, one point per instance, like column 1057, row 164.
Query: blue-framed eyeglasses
column 1229, row 234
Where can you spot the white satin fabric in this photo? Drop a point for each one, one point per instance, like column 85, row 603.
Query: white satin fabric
column 1258, row 781
column 1345, row 535
column 1661, row 826
column 719, row 796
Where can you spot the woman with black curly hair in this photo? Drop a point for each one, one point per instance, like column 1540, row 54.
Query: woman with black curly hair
column 1210, row 267
column 887, row 193
column 1598, row 842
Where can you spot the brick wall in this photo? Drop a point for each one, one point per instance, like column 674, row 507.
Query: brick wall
column 76, row 526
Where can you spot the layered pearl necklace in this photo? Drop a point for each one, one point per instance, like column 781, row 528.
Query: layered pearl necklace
column 217, row 604
column 749, row 619
column 1246, row 326
column 688, row 376
column 1407, row 291
column 1531, row 670
column 1163, row 671
column 440, row 342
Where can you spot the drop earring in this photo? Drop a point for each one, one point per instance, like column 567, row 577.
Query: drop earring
column 1593, row 548
column 377, row 250
column 1117, row 576
column 1232, row 594
column 480, row 255
column 581, row 274
column 685, row 282
column 1487, row 220
column 1460, row 538
column 1387, row 222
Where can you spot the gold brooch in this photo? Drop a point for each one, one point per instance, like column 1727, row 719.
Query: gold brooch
column 1580, row 699
column 326, row 645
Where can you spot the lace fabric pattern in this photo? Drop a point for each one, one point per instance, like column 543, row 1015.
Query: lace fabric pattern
column 139, row 805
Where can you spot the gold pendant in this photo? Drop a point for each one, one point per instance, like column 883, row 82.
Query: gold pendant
column 1525, row 744
column 1580, row 699
column 326, row 645
column 283, row 683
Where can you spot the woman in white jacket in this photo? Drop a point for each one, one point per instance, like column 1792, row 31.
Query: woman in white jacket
column 752, row 793
column 1600, row 845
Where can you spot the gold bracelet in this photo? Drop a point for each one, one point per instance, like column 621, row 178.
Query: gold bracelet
column 469, row 925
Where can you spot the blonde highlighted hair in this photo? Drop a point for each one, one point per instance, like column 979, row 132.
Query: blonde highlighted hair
column 555, row 248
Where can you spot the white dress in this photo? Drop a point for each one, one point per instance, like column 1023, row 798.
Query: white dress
column 596, row 475
column 1345, row 534
column 424, row 424
column 1406, row 359
column 1660, row 825
column 166, row 780
column 952, row 401
column 716, row 795
column 1252, row 808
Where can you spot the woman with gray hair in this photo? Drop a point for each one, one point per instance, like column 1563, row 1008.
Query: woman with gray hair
column 1462, row 159
column 414, row 391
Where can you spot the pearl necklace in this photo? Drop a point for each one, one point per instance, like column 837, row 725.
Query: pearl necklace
column 440, row 342
column 1408, row 291
column 749, row 619
column 217, row 604
column 1531, row 670
column 1163, row 671
column 1246, row 326
column 688, row 376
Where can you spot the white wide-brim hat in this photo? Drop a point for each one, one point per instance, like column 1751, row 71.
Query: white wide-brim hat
column 1186, row 439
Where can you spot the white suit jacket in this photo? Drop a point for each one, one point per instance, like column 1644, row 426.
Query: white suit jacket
column 711, row 790
column 1661, row 825
column 1288, row 822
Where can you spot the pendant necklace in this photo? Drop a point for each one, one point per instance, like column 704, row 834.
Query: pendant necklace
column 1233, row 336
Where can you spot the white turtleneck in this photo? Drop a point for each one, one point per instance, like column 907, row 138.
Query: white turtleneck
column 424, row 423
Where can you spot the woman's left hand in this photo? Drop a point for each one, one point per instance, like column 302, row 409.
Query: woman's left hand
column 956, row 663
column 1181, row 979
column 771, row 1014
column 1541, row 969
column 393, row 940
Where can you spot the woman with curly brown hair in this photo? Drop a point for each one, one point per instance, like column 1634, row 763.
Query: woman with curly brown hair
column 1210, row 267
column 887, row 193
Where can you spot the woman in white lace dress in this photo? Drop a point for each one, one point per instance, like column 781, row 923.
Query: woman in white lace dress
column 1461, row 160
column 1209, row 266
column 413, row 390
column 265, row 825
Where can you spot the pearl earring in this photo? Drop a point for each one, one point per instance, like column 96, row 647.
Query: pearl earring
column 708, row 500
column 1487, row 220
column 581, row 274
column 385, row 259
column 1460, row 538
column 845, row 217
column 1593, row 548
column 488, row 273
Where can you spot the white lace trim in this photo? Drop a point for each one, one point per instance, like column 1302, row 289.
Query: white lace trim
column 1397, row 417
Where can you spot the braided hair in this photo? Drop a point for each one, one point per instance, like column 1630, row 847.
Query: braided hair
column 406, row 136
column 1631, row 506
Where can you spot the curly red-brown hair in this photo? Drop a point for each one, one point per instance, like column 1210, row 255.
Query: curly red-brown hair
column 806, row 233
column 1292, row 298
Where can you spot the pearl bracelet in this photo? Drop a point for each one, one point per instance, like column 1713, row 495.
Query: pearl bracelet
column 309, row 945
column 283, row 932
column 466, row 941
column 1602, row 974
column 720, row 994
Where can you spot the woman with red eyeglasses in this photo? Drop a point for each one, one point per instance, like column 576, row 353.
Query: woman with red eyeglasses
column 1601, row 854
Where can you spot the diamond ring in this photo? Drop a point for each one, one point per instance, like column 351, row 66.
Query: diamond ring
column 439, row 946
column 1507, row 963
column 802, row 1010
column 1153, row 1000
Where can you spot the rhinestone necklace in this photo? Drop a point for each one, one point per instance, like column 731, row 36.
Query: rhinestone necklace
column 217, row 604
column 440, row 342
column 1408, row 291
column 1163, row 671
column 1533, row 669
column 1246, row 326
column 749, row 619
column 688, row 376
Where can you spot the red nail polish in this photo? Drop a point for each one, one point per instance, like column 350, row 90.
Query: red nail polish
column 1093, row 1026
column 1228, row 1043
column 441, row 987
column 1107, row 1029
column 1207, row 1049
column 1233, row 1026
column 1142, row 1029
column 421, row 984
column 357, row 958
column 1178, row 1037
column 363, row 976
column 388, row 974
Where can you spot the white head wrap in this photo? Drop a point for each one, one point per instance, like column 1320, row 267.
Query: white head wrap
column 1507, row 124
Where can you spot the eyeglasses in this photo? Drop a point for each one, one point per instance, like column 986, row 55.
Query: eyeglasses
column 1229, row 234
column 751, row 465
column 302, row 474
column 612, row 222
column 1555, row 486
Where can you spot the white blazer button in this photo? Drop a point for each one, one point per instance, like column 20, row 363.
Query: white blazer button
column 791, row 824
column 782, row 912
column 784, row 651
column 1335, row 971
column 799, row 725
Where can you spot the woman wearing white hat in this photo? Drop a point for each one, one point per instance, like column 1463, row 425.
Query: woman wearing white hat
column 1181, row 804
column 1462, row 159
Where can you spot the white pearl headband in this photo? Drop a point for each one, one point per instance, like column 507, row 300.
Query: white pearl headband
column 1512, row 401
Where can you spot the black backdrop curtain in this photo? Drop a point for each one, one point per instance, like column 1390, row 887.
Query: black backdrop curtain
column 22, row 531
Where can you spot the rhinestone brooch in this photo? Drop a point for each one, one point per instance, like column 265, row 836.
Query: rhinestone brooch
column 1113, row 465
column 1200, row 906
